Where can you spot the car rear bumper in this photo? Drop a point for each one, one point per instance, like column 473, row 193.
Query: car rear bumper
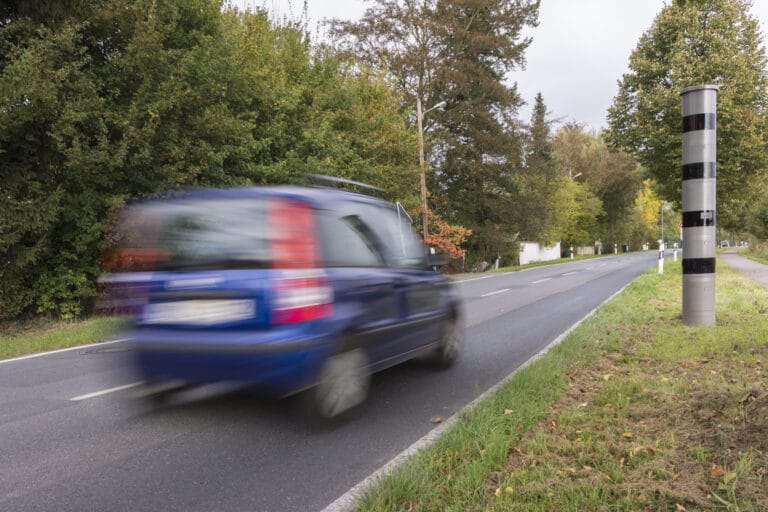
column 277, row 367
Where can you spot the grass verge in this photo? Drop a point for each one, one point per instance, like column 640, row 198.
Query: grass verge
column 757, row 252
column 633, row 411
column 534, row 264
column 16, row 340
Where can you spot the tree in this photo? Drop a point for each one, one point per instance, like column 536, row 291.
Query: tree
column 695, row 42
column 611, row 176
column 313, row 113
column 542, row 210
column 102, row 101
column 458, row 52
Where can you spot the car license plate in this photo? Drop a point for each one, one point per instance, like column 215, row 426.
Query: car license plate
column 198, row 312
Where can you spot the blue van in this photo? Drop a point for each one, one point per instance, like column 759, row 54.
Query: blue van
column 292, row 289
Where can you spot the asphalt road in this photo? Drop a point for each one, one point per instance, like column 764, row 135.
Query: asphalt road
column 215, row 449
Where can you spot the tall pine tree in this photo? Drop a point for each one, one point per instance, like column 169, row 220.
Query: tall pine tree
column 457, row 51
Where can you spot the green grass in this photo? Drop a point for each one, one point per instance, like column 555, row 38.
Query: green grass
column 633, row 411
column 41, row 335
column 757, row 252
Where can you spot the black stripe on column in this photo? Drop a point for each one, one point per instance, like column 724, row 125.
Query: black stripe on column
column 699, row 171
column 699, row 266
column 698, row 219
column 699, row 122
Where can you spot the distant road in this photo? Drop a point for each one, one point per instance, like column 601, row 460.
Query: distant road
column 749, row 268
column 71, row 439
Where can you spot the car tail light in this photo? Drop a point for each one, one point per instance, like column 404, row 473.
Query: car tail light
column 293, row 234
column 301, row 298
column 303, row 295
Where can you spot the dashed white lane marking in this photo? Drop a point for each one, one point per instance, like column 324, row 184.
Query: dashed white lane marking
column 494, row 293
column 106, row 391
column 542, row 280
column 569, row 273
column 475, row 279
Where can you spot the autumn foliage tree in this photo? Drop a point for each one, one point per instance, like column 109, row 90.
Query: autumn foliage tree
column 443, row 236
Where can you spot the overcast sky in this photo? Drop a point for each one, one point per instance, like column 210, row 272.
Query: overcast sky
column 579, row 50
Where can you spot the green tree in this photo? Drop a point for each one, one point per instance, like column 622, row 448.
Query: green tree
column 612, row 176
column 695, row 42
column 100, row 101
column 541, row 210
column 556, row 206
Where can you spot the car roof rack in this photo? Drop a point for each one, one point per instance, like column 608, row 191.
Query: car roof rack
column 322, row 179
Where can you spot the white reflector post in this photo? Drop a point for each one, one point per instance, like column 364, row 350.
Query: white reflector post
column 699, row 187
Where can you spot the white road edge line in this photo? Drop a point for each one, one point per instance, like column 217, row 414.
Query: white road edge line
column 41, row 354
column 346, row 502
column 106, row 391
column 542, row 280
column 494, row 293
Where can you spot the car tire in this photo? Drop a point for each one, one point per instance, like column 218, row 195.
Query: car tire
column 448, row 348
column 342, row 386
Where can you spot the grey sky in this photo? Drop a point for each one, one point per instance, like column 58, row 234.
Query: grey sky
column 579, row 51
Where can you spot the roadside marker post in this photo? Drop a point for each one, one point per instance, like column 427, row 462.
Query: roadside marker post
column 699, row 203
column 661, row 257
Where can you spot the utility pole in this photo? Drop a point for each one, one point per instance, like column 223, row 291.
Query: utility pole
column 422, row 163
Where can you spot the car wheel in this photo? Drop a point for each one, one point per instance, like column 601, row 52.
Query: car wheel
column 449, row 346
column 342, row 386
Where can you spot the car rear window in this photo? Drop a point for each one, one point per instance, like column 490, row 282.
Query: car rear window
column 191, row 235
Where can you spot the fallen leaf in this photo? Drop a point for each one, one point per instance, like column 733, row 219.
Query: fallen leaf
column 680, row 508
column 583, row 404
column 437, row 419
column 621, row 462
column 716, row 471
column 586, row 468
column 628, row 435
column 607, row 376
column 497, row 492
column 508, row 411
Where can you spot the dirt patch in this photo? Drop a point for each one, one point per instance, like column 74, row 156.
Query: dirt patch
column 690, row 436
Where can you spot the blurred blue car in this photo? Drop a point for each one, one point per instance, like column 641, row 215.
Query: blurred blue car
column 288, row 288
